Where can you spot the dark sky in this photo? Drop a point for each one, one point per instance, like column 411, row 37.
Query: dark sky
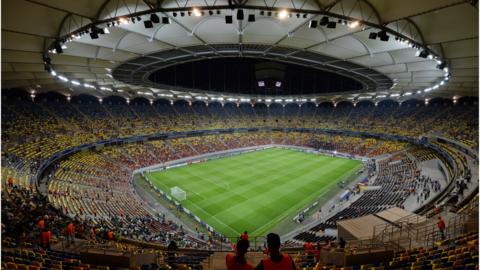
column 237, row 75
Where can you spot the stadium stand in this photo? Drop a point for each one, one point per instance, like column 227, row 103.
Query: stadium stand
column 375, row 101
column 84, row 187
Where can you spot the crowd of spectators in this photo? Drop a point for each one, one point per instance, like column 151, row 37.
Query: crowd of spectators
column 36, row 130
column 96, row 185
column 93, row 188
column 423, row 187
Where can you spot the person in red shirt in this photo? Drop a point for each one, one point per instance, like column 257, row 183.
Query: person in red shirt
column 10, row 182
column 276, row 260
column 308, row 247
column 46, row 238
column 70, row 233
column 309, row 252
column 244, row 235
column 237, row 261
column 110, row 235
column 441, row 226
column 41, row 224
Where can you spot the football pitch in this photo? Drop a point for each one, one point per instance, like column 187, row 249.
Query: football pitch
column 254, row 191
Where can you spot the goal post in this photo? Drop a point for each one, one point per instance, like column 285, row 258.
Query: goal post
column 178, row 193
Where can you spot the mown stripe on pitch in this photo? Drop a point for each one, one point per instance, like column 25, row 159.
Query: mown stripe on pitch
column 254, row 174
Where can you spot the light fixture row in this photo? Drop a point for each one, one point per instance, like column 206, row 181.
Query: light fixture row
column 76, row 83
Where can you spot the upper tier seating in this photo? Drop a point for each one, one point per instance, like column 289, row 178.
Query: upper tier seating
column 36, row 130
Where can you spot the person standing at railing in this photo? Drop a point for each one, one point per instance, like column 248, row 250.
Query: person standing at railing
column 70, row 231
column 309, row 252
column 171, row 254
column 110, row 235
column 244, row 235
column 238, row 261
column 342, row 243
column 46, row 238
column 441, row 226
column 41, row 224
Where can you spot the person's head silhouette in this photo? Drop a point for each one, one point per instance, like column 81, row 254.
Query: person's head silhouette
column 241, row 249
column 273, row 243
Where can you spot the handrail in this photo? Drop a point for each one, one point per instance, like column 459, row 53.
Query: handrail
column 427, row 231
column 471, row 204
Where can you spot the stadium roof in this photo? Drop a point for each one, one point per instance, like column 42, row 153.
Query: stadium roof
column 445, row 32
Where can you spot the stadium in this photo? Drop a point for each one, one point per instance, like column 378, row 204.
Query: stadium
column 239, row 134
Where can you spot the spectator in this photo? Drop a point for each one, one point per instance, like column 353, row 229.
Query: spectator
column 308, row 247
column 70, row 233
column 10, row 182
column 309, row 252
column 244, row 235
column 316, row 252
column 276, row 260
column 110, row 235
column 172, row 247
column 327, row 246
column 238, row 261
column 441, row 226
column 341, row 243
column 46, row 238
column 41, row 224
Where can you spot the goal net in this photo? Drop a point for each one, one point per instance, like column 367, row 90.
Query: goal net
column 178, row 193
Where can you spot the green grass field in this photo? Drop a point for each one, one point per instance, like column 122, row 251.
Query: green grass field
column 254, row 191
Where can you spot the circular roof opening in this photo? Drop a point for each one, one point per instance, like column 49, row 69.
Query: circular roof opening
column 254, row 76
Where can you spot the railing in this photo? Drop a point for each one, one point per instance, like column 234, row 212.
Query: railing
column 455, row 228
column 471, row 205
column 367, row 246
column 425, row 232
column 147, row 255
column 257, row 243
column 456, row 225
column 421, row 231
column 404, row 225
